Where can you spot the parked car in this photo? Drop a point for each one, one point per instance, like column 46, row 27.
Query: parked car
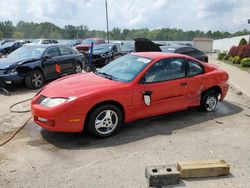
column 86, row 44
column 33, row 64
column 104, row 53
column 134, row 86
column 127, row 48
column 9, row 47
column 44, row 41
column 187, row 50
column 146, row 45
column 7, row 40
column 71, row 42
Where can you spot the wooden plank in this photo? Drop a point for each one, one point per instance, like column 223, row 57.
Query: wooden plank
column 202, row 169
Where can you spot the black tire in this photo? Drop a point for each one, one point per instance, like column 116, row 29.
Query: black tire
column 106, row 122
column 209, row 100
column 78, row 68
column 34, row 80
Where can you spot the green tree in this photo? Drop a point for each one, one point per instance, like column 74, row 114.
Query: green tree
column 243, row 41
column 17, row 35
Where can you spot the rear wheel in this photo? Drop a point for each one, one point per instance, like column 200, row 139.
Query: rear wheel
column 78, row 68
column 105, row 120
column 209, row 100
column 35, row 80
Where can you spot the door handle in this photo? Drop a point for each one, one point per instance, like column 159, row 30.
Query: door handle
column 183, row 84
column 149, row 93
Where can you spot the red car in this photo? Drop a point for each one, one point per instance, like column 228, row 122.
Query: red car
column 86, row 44
column 131, row 87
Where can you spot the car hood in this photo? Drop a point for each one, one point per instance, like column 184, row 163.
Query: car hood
column 8, row 62
column 98, row 52
column 79, row 85
column 83, row 46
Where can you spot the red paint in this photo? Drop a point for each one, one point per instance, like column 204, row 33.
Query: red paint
column 85, row 47
column 58, row 68
column 90, row 90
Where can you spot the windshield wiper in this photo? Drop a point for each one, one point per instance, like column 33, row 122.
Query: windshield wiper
column 105, row 75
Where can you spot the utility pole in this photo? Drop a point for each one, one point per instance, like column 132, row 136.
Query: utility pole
column 107, row 19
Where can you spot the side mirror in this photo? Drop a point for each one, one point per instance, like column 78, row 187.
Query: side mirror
column 147, row 97
column 46, row 57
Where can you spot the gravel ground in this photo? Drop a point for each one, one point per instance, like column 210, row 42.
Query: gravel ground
column 38, row 158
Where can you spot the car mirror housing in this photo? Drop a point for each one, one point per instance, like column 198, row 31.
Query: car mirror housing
column 46, row 57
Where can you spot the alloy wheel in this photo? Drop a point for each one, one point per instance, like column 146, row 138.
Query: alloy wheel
column 37, row 79
column 106, row 122
column 211, row 103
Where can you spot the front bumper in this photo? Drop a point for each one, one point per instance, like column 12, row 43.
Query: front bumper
column 8, row 79
column 224, row 91
column 63, row 118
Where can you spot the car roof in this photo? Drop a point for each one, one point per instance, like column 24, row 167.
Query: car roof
column 159, row 55
column 43, row 45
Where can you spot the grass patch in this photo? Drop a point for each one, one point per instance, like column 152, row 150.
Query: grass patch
column 237, row 65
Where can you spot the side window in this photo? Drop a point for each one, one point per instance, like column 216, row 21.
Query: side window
column 194, row 69
column 53, row 52
column 65, row 50
column 156, row 73
column 175, row 69
column 164, row 70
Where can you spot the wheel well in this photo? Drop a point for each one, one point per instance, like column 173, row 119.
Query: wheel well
column 26, row 70
column 215, row 88
column 115, row 103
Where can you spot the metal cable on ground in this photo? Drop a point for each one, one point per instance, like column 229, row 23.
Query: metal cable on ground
column 5, row 142
column 17, row 111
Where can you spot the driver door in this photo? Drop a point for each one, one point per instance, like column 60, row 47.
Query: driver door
column 49, row 63
column 166, row 81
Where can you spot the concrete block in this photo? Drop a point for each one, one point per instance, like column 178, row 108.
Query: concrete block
column 162, row 175
column 202, row 169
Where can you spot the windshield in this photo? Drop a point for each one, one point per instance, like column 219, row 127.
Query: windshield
column 167, row 49
column 127, row 47
column 125, row 68
column 27, row 53
column 103, row 47
column 7, row 44
column 88, row 41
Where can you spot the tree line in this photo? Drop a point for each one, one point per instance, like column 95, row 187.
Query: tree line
column 31, row 30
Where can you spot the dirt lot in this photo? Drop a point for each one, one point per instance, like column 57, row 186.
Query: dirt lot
column 38, row 158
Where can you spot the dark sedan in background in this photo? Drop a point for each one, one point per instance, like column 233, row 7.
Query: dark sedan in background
column 9, row 47
column 33, row 64
column 186, row 50
column 146, row 45
column 104, row 53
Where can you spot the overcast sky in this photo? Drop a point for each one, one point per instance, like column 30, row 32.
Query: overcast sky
column 223, row 15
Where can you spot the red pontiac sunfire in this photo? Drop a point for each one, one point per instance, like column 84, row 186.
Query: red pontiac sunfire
column 134, row 86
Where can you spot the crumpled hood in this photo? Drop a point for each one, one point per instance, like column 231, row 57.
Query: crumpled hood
column 7, row 62
column 101, row 51
column 78, row 85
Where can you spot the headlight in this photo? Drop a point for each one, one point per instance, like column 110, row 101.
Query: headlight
column 52, row 102
column 12, row 71
column 105, row 55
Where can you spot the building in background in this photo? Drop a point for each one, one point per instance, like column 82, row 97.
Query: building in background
column 224, row 45
column 203, row 44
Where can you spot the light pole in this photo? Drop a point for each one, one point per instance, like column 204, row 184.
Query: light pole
column 107, row 19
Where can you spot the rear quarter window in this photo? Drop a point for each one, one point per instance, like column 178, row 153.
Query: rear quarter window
column 194, row 68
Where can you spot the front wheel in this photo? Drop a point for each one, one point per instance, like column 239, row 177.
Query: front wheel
column 105, row 120
column 209, row 101
column 34, row 80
